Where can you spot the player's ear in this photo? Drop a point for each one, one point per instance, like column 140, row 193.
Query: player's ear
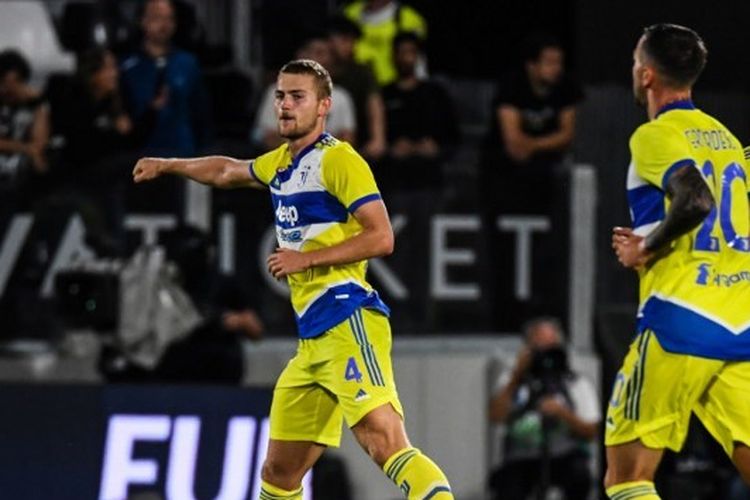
column 648, row 75
column 324, row 106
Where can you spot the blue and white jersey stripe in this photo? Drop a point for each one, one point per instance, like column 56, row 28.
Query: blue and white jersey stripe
column 646, row 203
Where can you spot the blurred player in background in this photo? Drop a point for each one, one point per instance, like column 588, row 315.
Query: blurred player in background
column 330, row 219
column 690, row 242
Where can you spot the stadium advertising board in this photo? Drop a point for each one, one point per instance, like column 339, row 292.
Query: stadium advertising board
column 118, row 442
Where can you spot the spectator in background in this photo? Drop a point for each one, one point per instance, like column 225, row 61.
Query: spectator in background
column 420, row 123
column 24, row 127
column 359, row 81
column 341, row 121
column 100, row 141
column 95, row 123
column 166, row 80
column 532, row 128
column 163, row 80
column 421, row 131
column 380, row 21
column 547, row 409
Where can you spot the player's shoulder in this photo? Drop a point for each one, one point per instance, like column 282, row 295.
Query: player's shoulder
column 713, row 123
column 654, row 127
column 654, row 132
column 265, row 166
column 340, row 158
column 272, row 160
column 335, row 151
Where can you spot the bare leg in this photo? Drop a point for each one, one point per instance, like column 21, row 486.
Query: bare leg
column 288, row 461
column 631, row 462
column 381, row 433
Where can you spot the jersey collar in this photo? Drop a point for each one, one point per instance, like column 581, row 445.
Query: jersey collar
column 681, row 104
column 307, row 149
column 285, row 174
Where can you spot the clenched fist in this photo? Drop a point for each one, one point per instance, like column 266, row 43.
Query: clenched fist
column 147, row 169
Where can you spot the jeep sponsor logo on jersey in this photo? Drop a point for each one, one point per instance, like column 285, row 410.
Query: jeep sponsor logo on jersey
column 286, row 214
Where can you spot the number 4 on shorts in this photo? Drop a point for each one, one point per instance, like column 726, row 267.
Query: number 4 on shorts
column 352, row 370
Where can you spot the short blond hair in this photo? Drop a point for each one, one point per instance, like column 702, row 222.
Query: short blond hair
column 322, row 78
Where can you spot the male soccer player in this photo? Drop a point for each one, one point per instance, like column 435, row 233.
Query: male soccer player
column 690, row 242
column 329, row 220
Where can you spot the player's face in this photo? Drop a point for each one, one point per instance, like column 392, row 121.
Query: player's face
column 298, row 108
column 639, row 86
column 158, row 22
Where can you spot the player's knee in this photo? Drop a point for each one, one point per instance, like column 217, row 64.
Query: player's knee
column 608, row 482
column 381, row 434
column 619, row 475
column 280, row 474
column 381, row 445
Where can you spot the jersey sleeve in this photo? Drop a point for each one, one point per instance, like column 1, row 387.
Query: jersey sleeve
column 263, row 168
column 348, row 178
column 658, row 151
column 746, row 152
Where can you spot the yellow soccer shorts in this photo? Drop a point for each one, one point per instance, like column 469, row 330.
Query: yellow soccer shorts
column 656, row 391
column 344, row 373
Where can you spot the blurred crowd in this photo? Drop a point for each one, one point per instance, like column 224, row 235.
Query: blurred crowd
column 146, row 84
column 145, row 93
column 140, row 87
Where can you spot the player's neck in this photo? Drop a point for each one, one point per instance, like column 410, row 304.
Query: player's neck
column 659, row 99
column 297, row 145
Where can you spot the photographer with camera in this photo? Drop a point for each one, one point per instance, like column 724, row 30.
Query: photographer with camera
column 551, row 416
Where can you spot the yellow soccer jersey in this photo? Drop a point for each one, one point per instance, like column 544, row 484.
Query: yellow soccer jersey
column 696, row 296
column 314, row 196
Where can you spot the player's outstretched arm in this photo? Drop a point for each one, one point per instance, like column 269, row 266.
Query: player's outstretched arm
column 217, row 171
column 375, row 240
